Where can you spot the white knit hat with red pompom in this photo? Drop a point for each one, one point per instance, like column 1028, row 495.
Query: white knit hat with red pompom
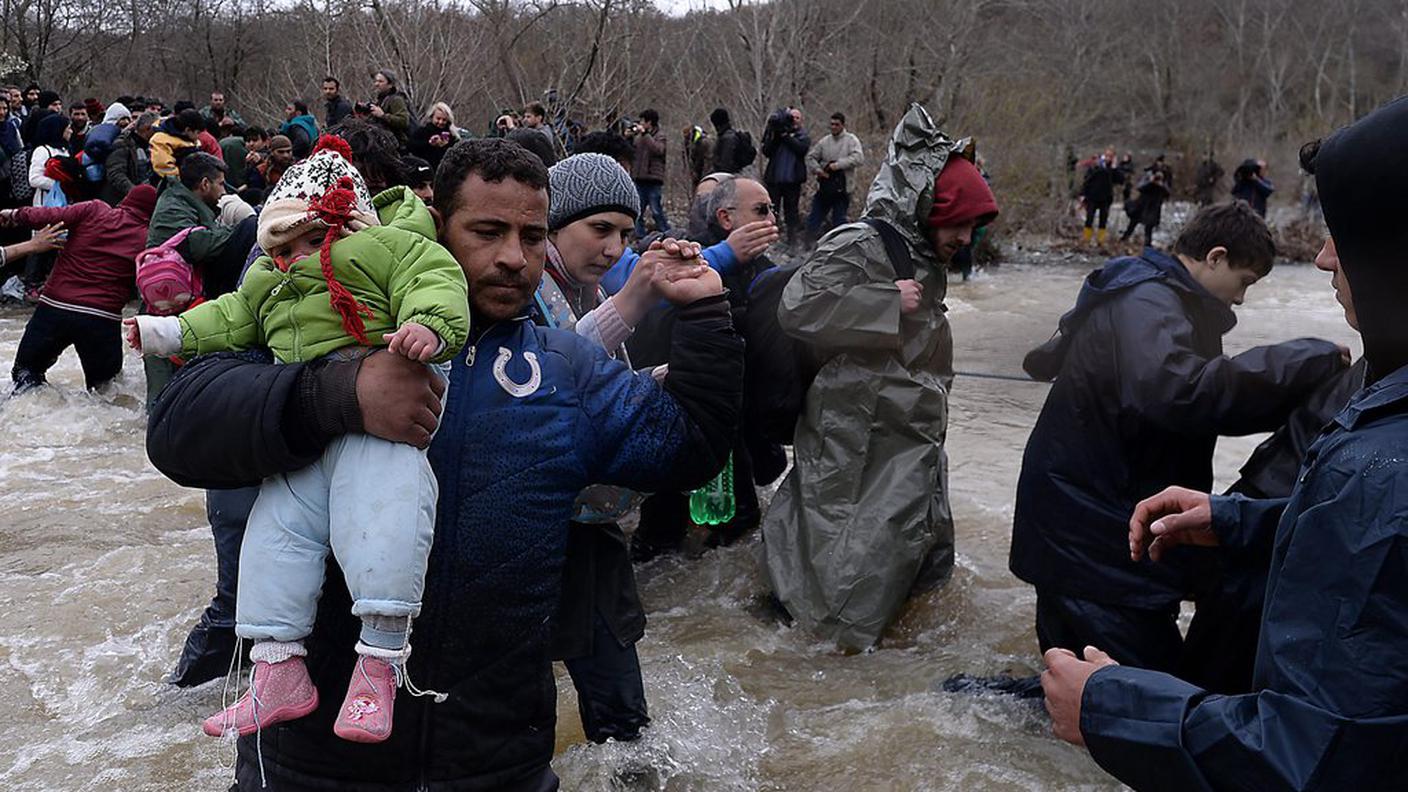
column 287, row 213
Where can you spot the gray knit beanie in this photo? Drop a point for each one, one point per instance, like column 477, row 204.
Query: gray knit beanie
column 588, row 184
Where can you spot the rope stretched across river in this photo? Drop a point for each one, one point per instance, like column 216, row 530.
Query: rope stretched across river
column 1004, row 377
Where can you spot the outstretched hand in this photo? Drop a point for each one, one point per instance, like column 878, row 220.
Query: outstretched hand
column 1173, row 517
column 1063, row 683
column 413, row 342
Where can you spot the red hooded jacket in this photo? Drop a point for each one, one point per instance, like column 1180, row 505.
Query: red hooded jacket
column 96, row 273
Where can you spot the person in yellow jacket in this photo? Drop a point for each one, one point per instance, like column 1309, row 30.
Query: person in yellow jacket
column 177, row 132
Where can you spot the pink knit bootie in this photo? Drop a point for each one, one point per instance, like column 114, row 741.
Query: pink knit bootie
column 277, row 692
column 365, row 715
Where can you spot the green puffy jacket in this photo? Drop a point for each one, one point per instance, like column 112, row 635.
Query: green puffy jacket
column 395, row 269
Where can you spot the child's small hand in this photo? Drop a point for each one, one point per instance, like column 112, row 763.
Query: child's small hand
column 413, row 341
column 134, row 333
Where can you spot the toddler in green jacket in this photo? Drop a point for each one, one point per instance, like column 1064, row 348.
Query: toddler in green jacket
column 343, row 272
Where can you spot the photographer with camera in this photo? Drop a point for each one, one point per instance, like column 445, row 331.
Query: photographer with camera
column 648, row 168
column 389, row 110
column 785, row 144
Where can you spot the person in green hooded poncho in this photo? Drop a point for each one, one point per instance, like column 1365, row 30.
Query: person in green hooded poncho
column 863, row 517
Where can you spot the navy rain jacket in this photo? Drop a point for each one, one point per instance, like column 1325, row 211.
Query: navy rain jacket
column 1330, row 707
column 1142, row 391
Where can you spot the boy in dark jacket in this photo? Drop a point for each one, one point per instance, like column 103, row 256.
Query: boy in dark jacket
column 1142, row 392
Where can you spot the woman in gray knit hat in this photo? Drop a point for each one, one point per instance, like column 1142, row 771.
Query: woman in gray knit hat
column 593, row 208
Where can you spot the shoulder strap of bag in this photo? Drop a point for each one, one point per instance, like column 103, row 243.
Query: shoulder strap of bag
column 895, row 247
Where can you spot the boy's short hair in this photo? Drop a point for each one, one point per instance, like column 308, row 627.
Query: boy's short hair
column 536, row 108
column 651, row 116
column 1235, row 226
column 195, row 165
column 253, row 133
column 494, row 159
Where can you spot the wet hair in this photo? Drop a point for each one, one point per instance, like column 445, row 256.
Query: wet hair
column 534, row 141
column 1235, row 226
column 839, row 117
column 196, row 165
column 493, row 159
column 187, row 119
column 613, row 146
column 1308, row 153
column 375, row 151
column 650, row 115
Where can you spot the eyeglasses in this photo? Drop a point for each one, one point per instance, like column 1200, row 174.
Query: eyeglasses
column 759, row 210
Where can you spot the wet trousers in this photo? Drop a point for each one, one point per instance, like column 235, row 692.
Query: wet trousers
column 610, row 689
column 96, row 339
column 372, row 503
column 211, row 642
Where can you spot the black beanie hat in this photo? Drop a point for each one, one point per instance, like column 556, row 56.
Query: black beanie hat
column 1359, row 171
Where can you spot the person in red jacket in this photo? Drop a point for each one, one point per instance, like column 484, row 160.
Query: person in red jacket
column 94, row 277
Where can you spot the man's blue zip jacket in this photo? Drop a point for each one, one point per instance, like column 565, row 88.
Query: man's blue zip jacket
column 532, row 416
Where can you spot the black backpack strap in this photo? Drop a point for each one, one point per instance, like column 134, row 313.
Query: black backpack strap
column 895, row 248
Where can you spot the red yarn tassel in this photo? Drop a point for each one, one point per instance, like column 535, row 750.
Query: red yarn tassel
column 335, row 208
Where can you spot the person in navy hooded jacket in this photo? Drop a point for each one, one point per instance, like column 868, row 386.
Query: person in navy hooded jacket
column 1329, row 706
column 1142, row 391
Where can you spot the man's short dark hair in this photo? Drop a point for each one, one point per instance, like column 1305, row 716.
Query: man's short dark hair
column 375, row 151
column 650, row 115
column 300, row 106
column 1235, row 226
column 536, row 108
column 602, row 142
column 255, row 133
column 1308, row 153
column 196, row 165
column 719, row 118
column 78, row 106
column 188, row 119
column 838, row 116
column 493, row 159
column 183, row 104
column 336, row 82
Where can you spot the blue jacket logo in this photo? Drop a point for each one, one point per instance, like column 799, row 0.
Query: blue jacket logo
column 516, row 389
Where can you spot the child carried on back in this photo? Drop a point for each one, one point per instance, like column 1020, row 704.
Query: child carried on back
column 341, row 274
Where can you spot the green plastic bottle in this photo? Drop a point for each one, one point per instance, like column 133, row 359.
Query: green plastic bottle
column 712, row 504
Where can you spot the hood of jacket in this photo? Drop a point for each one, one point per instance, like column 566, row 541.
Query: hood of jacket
column 400, row 208
column 1117, row 276
column 903, row 190
column 1358, row 173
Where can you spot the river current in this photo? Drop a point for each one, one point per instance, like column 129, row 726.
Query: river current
column 104, row 566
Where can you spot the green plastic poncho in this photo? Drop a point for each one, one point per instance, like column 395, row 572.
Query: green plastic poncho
column 863, row 517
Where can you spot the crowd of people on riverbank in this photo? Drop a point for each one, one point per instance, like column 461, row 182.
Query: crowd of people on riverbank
column 424, row 376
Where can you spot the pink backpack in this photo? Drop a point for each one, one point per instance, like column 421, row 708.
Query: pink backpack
column 166, row 282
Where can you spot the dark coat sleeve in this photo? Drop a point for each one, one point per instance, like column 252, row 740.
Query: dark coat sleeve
column 639, row 440
column 230, row 420
column 1163, row 379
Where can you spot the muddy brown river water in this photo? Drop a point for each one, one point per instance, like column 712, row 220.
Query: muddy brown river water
column 104, row 565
